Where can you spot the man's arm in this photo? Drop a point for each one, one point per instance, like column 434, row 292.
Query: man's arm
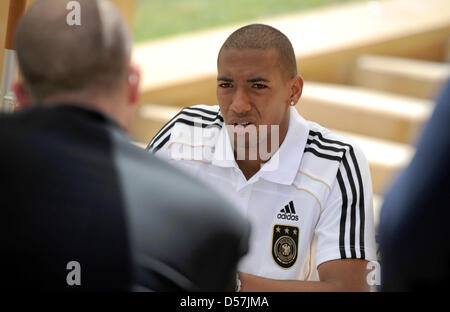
column 335, row 275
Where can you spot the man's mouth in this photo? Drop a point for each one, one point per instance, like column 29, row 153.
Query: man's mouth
column 243, row 124
column 242, row 127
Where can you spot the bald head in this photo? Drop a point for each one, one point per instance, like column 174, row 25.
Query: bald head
column 264, row 37
column 55, row 57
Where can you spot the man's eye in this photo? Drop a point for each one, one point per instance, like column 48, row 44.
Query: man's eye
column 225, row 85
column 259, row 86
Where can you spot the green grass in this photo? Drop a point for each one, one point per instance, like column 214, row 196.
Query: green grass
column 161, row 18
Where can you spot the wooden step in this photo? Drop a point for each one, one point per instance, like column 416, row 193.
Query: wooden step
column 182, row 70
column 386, row 158
column 410, row 77
column 373, row 113
column 150, row 118
column 447, row 50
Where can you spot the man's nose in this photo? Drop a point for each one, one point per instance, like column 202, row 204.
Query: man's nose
column 241, row 102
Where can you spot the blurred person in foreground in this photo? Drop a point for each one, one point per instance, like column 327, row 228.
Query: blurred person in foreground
column 82, row 207
column 306, row 190
column 414, row 234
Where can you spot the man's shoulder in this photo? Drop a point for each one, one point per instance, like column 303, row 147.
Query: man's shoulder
column 326, row 151
column 194, row 126
column 330, row 137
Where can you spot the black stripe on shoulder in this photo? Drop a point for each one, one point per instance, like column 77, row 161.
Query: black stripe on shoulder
column 325, row 147
column 325, row 140
column 322, row 155
column 186, row 122
column 190, row 114
column 175, row 119
column 210, row 112
column 160, row 145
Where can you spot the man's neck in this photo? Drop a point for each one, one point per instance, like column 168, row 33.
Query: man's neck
column 90, row 101
column 249, row 167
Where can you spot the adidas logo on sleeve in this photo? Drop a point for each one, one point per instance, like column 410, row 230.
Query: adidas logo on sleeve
column 288, row 212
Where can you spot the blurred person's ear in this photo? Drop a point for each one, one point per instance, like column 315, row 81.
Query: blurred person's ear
column 134, row 78
column 22, row 95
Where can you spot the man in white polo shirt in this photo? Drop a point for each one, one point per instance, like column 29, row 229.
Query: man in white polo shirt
column 306, row 190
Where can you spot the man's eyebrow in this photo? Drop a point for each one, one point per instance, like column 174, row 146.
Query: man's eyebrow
column 225, row 79
column 256, row 79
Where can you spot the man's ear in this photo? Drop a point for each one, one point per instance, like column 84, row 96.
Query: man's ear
column 22, row 95
column 296, row 88
column 133, row 80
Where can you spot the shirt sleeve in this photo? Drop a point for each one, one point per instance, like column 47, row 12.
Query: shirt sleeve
column 159, row 144
column 345, row 228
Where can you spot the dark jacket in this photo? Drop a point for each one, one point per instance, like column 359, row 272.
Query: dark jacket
column 414, row 232
column 73, row 188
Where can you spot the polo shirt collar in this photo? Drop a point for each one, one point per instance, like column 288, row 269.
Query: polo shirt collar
column 282, row 168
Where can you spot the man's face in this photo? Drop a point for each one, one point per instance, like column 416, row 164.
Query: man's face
column 252, row 91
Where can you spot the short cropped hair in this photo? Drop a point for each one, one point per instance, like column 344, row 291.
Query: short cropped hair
column 55, row 56
column 264, row 37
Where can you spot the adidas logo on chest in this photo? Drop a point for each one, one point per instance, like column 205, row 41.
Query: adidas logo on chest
column 288, row 212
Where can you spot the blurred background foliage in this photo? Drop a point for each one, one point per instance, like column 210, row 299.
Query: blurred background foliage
column 161, row 18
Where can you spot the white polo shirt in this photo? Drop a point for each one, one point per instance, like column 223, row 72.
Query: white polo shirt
column 310, row 203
